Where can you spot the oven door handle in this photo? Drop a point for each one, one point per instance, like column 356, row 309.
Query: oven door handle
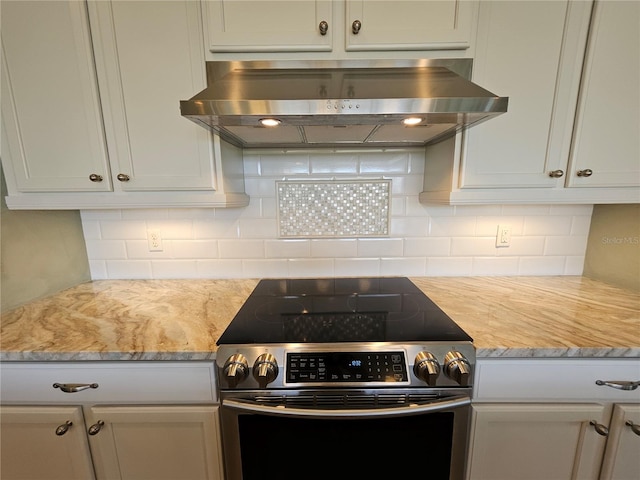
column 249, row 406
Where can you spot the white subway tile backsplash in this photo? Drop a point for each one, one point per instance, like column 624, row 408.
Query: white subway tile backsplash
column 91, row 230
column 220, row 269
column 473, row 246
column 123, row 229
column 547, row 225
column 174, row 269
column 265, row 268
column 241, row 249
column 196, row 249
column 138, row 249
column 427, row 247
column 105, row 249
column 540, row 265
column 357, row 267
column 287, row 248
column 573, row 265
column 327, row 165
column 98, row 270
column 334, row 248
column 495, row 266
column 565, row 245
column 406, row 267
column 432, row 240
column 311, row 267
column 133, row 269
column 380, row 247
column 216, row 228
column 449, row 266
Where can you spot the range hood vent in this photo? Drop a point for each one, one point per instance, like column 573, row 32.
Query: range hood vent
column 350, row 103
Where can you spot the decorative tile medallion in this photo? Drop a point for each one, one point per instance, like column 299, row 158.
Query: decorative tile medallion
column 333, row 208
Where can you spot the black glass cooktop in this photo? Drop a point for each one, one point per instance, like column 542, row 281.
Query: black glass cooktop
column 340, row 310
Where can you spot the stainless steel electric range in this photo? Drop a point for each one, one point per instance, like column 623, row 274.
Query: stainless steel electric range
column 312, row 372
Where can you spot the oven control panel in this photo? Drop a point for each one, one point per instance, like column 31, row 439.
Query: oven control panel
column 348, row 367
column 282, row 366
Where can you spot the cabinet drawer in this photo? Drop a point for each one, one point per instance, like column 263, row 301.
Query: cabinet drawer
column 123, row 382
column 554, row 379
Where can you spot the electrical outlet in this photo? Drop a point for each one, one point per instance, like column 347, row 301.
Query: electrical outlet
column 503, row 237
column 155, row 240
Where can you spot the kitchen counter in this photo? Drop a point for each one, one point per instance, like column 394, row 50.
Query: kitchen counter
column 182, row 319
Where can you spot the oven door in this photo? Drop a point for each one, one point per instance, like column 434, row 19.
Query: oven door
column 344, row 435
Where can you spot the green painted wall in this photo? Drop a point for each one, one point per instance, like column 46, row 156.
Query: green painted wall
column 613, row 248
column 41, row 252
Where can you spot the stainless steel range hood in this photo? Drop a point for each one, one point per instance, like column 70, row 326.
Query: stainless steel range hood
column 340, row 103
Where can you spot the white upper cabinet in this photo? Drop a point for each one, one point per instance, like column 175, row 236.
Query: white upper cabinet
column 241, row 25
column 52, row 131
column 573, row 115
column 408, row 25
column 338, row 26
column 151, row 146
column 91, row 108
column 606, row 150
column 532, row 53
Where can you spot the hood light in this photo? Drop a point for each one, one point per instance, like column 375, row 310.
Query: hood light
column 412, row 121
column 270, row 122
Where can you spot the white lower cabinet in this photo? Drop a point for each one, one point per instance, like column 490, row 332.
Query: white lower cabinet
column 44, row 442
column 520, row 441
column 622, row 455
column 549, row 419
column 99, row 439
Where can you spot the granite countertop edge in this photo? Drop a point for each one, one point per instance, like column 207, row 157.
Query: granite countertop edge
column 481, row 353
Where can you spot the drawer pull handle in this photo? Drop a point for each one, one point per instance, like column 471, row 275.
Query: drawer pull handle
column 74, row 387
column 599, row 428
column 96, row 427
column 64, row 428
column 634, row 427
column 619, row 384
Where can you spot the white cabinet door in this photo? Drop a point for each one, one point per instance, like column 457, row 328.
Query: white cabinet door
column 149, row 56
column 607, row 139
column 409, row 25
column 535, row 441
column 156, row 442
column 621, row 458
column 52, row 132
column 44, row 442
column 531, row 52
column 271, row 26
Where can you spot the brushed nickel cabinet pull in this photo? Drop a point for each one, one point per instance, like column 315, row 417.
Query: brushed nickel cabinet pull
column 64, row 428
column 123, row 177
column 634, row 427
column 323, row 27
column 94, row 177
column 556, row 173
column 619, row 384
column 96, row 427
column 587, row 172
column 74, row 387
column 356, row 26
column 599, row 428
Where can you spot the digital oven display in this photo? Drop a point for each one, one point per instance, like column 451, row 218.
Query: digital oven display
column 346, row 367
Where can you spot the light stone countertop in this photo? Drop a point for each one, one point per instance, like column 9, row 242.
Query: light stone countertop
column 562, row 316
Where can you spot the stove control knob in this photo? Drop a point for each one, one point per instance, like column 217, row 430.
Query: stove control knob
column 236, row 369
column 265, row 369
column 457, row 368
column 426, row 368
